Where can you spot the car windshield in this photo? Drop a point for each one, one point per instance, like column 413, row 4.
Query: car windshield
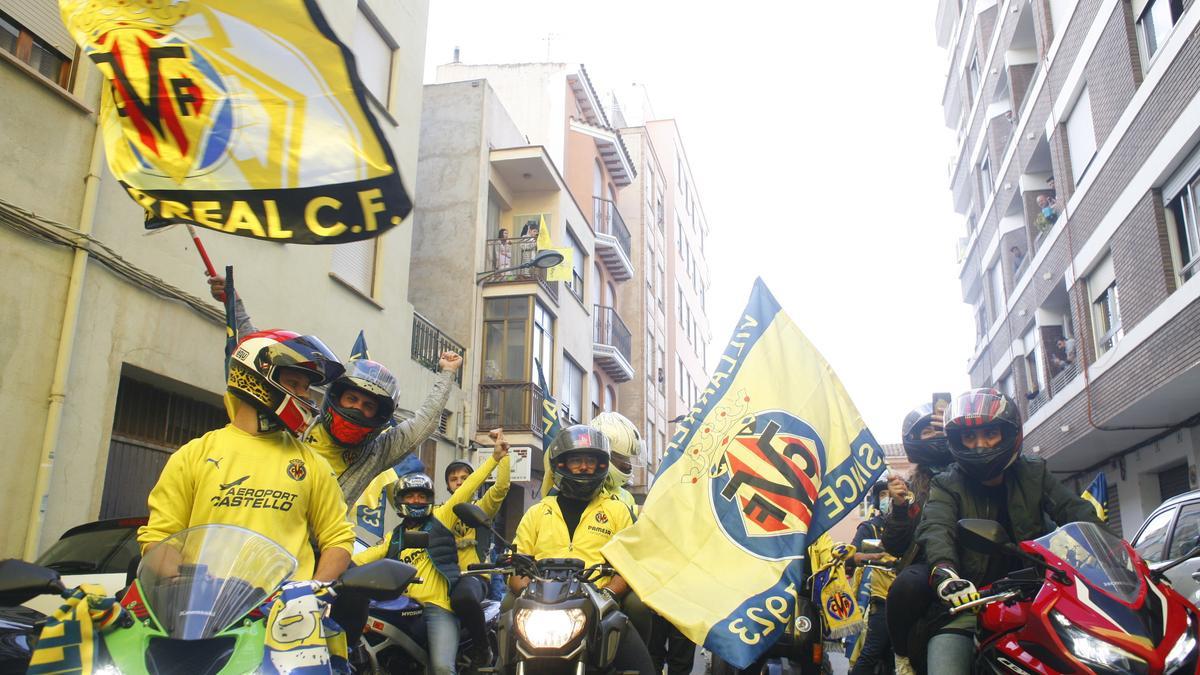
column 199, row 581
column 1099, row 557
column 92, row 551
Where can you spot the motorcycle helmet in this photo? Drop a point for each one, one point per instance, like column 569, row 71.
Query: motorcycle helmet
column 927, row 452
column 258, row 361
column 980, row 410
column 407, row 484
column 349, row 427
column 579, row 439
column 878, row 489
column 624, row 442
column 456, row 465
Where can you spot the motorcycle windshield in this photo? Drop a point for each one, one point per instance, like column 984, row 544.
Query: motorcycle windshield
column 202, row 579
column 1097, row 556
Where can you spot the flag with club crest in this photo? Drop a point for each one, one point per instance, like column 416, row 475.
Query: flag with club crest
column 771, row 456
column 243, row 117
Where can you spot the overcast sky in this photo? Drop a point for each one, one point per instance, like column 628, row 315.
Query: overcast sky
column 820, row 156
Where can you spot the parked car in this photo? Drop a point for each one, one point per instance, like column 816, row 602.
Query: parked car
column 1167, row 534
column 104, row 552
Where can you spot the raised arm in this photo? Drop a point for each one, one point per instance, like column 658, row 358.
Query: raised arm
column 393, row 444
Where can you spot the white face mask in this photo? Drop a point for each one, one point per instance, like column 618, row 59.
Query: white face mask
column 619, row 477
column 885, row 505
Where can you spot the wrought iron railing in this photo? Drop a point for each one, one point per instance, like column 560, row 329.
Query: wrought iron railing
column 607, row 220
column 502, row 254
column 514, row 406
column 1063, row 377
column 428, row 343
column 609, row 329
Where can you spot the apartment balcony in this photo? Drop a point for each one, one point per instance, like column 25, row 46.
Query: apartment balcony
column 612, row 344
column 503, row 254
column 428, row 343
column 515, row 406
column 1037, row 224
column 614, row 244
column 1063, row 377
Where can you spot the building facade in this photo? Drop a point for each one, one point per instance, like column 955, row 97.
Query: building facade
column 112, row 347
column 1078, row 123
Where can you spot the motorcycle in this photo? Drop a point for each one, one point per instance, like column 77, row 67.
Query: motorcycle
column 194, row 605
column 1086, row 604
column 561, row 621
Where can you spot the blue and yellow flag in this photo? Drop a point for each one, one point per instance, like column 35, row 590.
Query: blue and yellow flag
column 551, row 425
column 243, row 117
column 370, row 508
column 773, row 454
column 72, row 639
column 359, row 350
column 1097, row 495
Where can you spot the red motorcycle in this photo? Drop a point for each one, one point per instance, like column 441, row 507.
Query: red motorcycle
column 1086, row 604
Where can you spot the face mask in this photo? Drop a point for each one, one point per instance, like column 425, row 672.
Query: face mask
column 885, row 505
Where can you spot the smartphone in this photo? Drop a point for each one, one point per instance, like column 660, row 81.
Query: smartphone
column 941, row 400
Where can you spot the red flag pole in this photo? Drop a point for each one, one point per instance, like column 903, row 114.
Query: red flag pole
column 208, row 266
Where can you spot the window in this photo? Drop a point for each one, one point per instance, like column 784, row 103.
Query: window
column 680, row 389
column 973, row 80
column 1033, row 361
column 610, row 399
column 597, row 389
column 578, row 265
column 1154, row 24
column 493, row 216
column 662, row 444
column 1081, row 136
column 659, row 210
column 648, row 187
column 354, row 264
column 680, row 304
column 504, row 340
column 661, row 291
column 650, row 279
column 985, row 177
column 373, row 53
column 1150, row 542
column 1106, row 310
column 660, row 368
column 1182, row 194
column 543, row 340
column 981, row 322
column 596, row 286
column 1187, row 527
column 572, row 391
column 650, row 356
column 22, row 43
column 679, row 237
column 1008, row 385
column 996, row 284
column 597, row 195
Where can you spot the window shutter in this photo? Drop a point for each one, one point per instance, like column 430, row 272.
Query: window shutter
column 1101, row 277
column 42, row 19
column 354, row 263
column 1189, row 168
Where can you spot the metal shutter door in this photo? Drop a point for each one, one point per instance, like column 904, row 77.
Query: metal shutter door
column 1114, row 509
column 42, row 19
column 1173, row 481
column 133, row 469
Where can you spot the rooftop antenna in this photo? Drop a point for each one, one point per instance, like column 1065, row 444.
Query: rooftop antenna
column 456, row 55
column 549, row 37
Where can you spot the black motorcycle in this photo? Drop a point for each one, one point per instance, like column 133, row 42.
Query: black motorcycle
column 561, row 622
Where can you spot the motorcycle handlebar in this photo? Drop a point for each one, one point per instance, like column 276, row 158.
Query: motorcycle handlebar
column 985, row 600
column 480, row 567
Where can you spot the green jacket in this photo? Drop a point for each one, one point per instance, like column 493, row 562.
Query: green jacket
column 1033, row 497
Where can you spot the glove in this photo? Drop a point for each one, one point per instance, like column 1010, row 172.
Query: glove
column 323, row 591
column 952, row 589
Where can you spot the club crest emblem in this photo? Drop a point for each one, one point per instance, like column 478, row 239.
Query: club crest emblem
column 296, row 470
column 766, row 484
column 601, row 517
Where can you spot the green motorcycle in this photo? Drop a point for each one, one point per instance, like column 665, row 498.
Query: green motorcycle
column 191, row 608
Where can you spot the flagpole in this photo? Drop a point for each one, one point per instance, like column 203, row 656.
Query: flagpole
column 208, row 266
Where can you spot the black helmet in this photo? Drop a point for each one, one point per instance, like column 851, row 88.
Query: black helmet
column 877, row 489
column 928, row 452
column 984, row 409
column 411, row 482
column 578, row 439
column 454, row 466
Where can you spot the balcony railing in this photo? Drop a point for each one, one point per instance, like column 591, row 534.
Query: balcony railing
column 428, row 343
column 612, row 343
column 1063, row 377
column 610, row 228
column 514, row 406
column 505, row 253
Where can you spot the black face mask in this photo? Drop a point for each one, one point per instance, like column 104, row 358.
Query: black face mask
column 929, row 452
column 987, row 464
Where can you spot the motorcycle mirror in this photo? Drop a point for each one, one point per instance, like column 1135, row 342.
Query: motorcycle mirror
column 472, row 515
column 871, row 546
column 983, row 536
column 20, row 581
column 381, row 580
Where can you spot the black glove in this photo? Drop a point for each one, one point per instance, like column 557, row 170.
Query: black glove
column 952, row 589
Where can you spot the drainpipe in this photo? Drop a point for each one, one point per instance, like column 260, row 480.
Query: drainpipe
column 66, row 350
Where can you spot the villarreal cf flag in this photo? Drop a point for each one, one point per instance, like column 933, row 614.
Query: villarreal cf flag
column 1096, row 494
column 772, row 455
column 243, row 117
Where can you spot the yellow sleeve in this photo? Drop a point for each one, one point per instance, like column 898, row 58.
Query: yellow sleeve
column 170, row 501
column 527, row 531
column 472, row 483
column 376, row 552
column 327, row 510
column 492, row 499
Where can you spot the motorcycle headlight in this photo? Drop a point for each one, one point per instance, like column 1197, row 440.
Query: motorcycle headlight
column 549, row 628
column 1094, row 651
column 1184, row 652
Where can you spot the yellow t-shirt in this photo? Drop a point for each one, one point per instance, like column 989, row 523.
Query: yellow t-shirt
column 543, row 533
column 271, row 483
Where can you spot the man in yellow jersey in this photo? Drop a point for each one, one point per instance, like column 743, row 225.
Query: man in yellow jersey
column 437, row 565
column 466, row 597
column 255, row 472
column 353, row 434
column 578, row 520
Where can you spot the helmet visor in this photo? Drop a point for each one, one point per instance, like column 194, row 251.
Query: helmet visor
column 977, row 408
column 373, row 378
column 306, row 353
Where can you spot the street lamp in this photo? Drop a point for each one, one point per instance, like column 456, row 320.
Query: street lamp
column 544, row 259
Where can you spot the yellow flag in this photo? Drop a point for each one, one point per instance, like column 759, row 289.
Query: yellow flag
column 543, row 239
column 772, row 455
column 561, row 271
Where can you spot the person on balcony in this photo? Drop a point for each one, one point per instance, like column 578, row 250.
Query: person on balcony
column 502, row 251
column 1017, row 258
column 1064, row 354
column 1048, row 214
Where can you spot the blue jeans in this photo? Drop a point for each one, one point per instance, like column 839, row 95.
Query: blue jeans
column 442, row 627
column 950, row 654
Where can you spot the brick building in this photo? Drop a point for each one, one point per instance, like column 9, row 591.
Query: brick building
column 1076, row 167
